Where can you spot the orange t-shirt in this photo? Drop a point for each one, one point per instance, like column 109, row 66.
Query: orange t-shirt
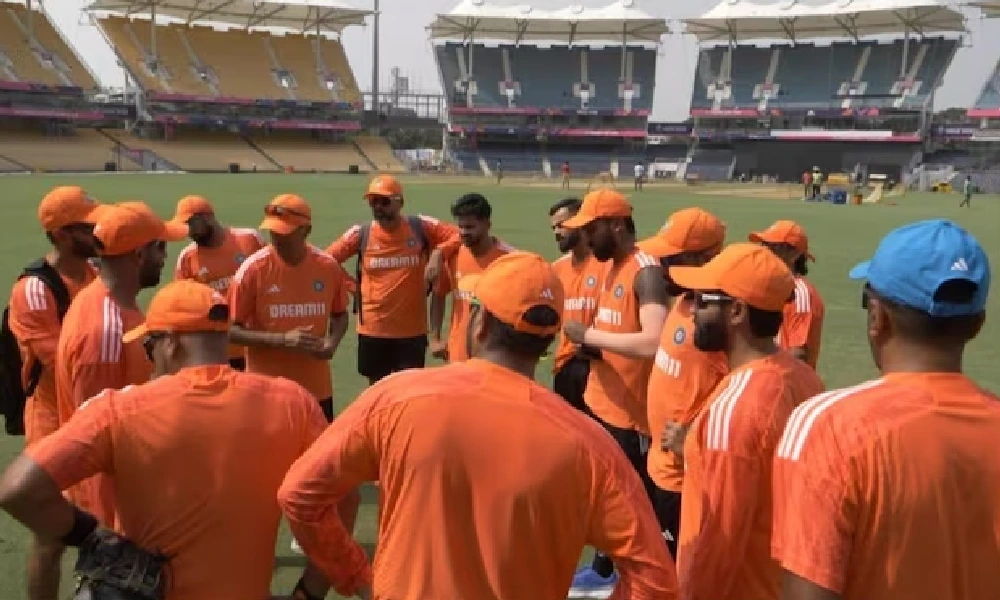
column 617, row 386
column 683, row 378
column 582, row 283
column 491, row 487
column 270, row 295
column 802, row 323
column 197, row 459
column 34, row 321
column 393, row 290
column 215, row 267
column 892, row 490
column 91, row 358
column 724, row 551
column 458, row 265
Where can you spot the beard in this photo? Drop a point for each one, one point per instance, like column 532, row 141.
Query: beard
column 202, row 238
column 149, row 277
column 83, row 249
column 568, row 242
column 603, row 252
column 710, row 336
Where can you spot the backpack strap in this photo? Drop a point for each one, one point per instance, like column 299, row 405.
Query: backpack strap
column 364, row 232
column 417, row 227
column 52, row 280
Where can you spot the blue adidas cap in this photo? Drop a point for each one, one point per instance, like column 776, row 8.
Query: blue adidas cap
column 912, row 262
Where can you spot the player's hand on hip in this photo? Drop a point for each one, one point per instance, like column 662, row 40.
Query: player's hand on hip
column 673, row 437
column 439, row 349
column 574, row 331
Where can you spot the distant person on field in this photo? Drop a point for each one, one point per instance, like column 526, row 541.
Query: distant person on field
column 67, row 215
column 967, row 190
column 817, row 184
column 807, row 180
column 219, row 440
column 802, row 326
column 564, row 171
column 491, row 484
column 499, row 171
column 890, row 490
column 215, row 253
column 640, row 175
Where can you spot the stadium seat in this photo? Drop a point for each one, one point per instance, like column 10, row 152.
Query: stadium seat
column 82, row 150
column 379, row 152
column 38, row 55
column 300, row 152
column 204, row 151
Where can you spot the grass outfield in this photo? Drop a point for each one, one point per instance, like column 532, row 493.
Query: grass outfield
column 840, row 237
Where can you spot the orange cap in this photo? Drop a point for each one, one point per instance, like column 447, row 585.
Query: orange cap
column 384, row 186
column 67, row 205
column 687, row 230
column 183, row 306
column 512, row 285
column 602, row 203
column 124, row 227
column 747, row 272
column 785, row 232
column 285, row 214
column 189, row 206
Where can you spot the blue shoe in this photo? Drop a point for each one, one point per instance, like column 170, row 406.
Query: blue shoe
column 587, row 583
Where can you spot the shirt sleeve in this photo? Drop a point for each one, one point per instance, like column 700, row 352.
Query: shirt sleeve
column 34, row 319
column 182, row 270
column 340, row 460
column 242, row 296
column 625, row 528
column 444, row 284
column 814, row 524
column 441, row 235
column 736, row 455
column 346, row 245
column 341, row 294
column 80, row 448
column 797, row 327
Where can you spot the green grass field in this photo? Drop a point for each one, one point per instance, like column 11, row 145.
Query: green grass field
column 840, row 237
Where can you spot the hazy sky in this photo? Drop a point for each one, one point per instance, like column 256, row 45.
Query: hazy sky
column 404, row 44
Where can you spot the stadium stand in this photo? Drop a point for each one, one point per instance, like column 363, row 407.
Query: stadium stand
column 71, row 149
column 378, row 152
column 509, row 76
column 193, row 150
column 838, row 75
column 204, row 61
column 300, row 152
column 33, row 51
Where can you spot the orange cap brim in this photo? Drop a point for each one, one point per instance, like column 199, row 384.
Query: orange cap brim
column 136, row 333
column 759, row 237
column 658, row 247
column 174, row 231
column 695, row 278
column 277, row 225
column 96, row 213
column 578, row 221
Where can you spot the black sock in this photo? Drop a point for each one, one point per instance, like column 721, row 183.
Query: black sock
column 602, row 565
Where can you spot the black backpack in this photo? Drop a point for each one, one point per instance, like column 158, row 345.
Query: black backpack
column 12, row 395
column 416, row 226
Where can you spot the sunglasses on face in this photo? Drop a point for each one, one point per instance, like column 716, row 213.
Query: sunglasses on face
column 149, row 343
column 706, row 299
column 272, row 210
column 866, row 296
column 380, row 201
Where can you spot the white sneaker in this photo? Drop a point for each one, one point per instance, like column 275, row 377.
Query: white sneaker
column 295, row 547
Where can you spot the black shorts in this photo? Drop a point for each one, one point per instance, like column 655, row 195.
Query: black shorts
column 379, row 357
column 327, row 406
column 570, row 382
column 240, row 364
column 667, row 506
column 636, row 449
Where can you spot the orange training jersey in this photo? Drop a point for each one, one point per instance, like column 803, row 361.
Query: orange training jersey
column 270, row 295
column 457, row 266
column 582, row 283
column 683, row 378
column 491, row 485
column 90, row 358
column 221, row 441
column 802, row 325
column 34, row 321
column 617, row 386
column 393, row 290
column 892, row 490
column 215, row 267
column 724, row 551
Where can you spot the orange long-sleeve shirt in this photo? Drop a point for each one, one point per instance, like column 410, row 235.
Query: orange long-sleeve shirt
column 491, row 487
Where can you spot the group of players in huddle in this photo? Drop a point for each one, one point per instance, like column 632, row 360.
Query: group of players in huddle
column 687, row 438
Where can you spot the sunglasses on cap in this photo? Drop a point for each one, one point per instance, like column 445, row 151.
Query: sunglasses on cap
column 706, row 299
column 274, row 210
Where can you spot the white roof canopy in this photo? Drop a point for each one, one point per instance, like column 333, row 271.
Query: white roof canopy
column 621, row 20
column 746, row 20
column 307, row 16
column 991, row 10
